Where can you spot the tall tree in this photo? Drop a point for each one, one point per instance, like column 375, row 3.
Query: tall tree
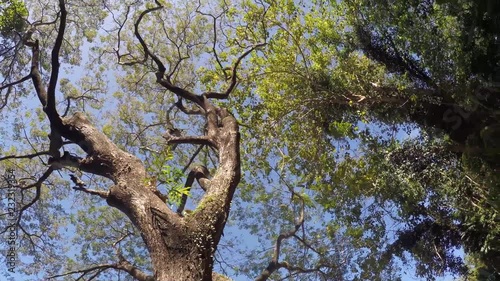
column 133, row 95
column 369, row 72
column 180, row 246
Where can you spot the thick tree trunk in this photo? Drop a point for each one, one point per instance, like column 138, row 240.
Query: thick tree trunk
column 181, row 247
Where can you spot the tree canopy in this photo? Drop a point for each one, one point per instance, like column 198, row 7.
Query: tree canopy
column 266, row 140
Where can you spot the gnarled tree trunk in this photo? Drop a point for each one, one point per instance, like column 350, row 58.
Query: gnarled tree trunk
column 181, row 247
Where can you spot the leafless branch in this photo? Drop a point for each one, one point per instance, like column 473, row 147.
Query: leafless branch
column 9, row 89
column 181, row 92
column 188, row 111
column 122, row 265
column 214, row 18
column 189, row 139
column 234, row 78
column 80, row 185
column 38, row 186
column 192, row 158
column 29, row 156
column 99, row 268
column 275, row 264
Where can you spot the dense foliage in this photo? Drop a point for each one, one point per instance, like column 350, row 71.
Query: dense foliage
column 370, row 132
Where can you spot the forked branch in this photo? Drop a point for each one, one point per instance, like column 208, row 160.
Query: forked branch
column 201, row 174
column 234, row 76
column 275, row 264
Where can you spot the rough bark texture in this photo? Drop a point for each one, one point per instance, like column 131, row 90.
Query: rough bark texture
column 181, row 247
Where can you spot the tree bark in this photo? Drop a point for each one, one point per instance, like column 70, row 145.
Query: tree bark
column 181, row 247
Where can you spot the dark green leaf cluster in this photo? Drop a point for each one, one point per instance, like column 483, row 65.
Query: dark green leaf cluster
column 13, row 14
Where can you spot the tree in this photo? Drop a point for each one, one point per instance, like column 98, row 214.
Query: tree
column 132, row 95
column 196, row 48
column 367, row 71
column 180, row 246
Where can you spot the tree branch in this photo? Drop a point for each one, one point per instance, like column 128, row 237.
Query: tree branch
column 201, row 174
column 9, row 85
column 122, row 265
column 188, row 111
column 80, row 185
column 35, row 74
column 100, row 193
column 29, row 156
column 275, row 264
column 189, row 139
column 147, row 52
column 38, row 186
column 161, row 67
column 234, row 78
column 50, row 109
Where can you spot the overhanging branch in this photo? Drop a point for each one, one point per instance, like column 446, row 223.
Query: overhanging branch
column 189, row 139
column 29, row 156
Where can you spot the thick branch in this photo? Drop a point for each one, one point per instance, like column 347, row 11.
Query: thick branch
column 100, row 193
column 51, row 99
column 47, row 98
column 133, row 271
column 35, row 74
column 189, row 139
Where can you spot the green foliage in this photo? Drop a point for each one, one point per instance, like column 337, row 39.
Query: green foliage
column 13, row 14
column 169, row 176
column 345, row 106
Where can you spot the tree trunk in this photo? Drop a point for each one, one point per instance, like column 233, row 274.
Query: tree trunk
column 181, row 247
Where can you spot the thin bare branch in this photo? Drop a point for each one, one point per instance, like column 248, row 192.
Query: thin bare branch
column 80, row 185
column 188, row 111
column 122, row 265
column 29, row 156
column 181, row 92
column 214, row 18
column 275, row 264
column 38, row 186
column 9, row 85
column 234, row 78
column 83, row 272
